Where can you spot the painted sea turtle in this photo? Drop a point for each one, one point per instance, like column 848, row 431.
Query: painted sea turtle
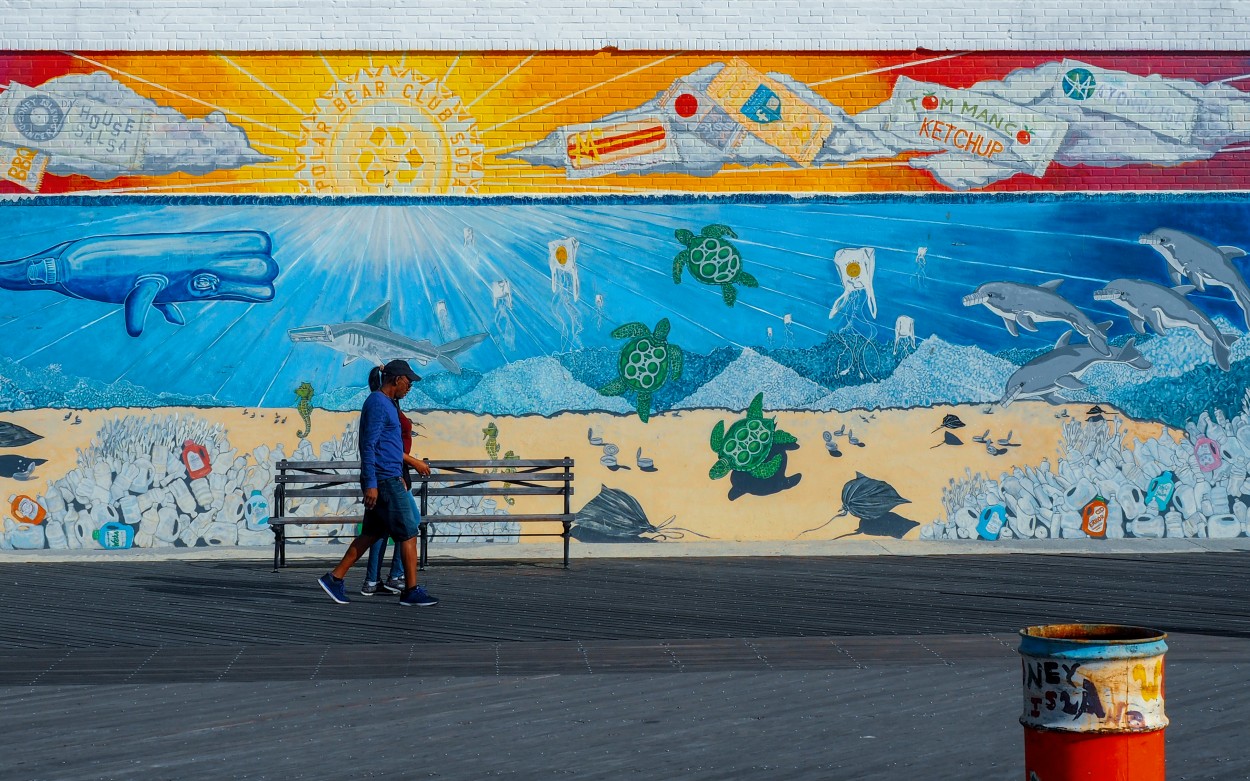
column 712, row 260
column 747, row 443
column 647, row 361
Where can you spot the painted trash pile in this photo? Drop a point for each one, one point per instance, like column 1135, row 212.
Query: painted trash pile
column 1195, row 485
column 176, row 481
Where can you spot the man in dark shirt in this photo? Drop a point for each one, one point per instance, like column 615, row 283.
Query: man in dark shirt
column 388, row 512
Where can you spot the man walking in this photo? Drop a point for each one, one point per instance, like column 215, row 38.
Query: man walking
column 388, row 512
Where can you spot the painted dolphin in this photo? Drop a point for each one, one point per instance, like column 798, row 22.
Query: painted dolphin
column 19, row 467
column 1202, row 262
column 151, row 271
column 1023, row 305
column 1164, row 308
column 1051, row 374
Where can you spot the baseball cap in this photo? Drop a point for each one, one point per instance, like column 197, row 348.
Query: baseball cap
column 400, row 368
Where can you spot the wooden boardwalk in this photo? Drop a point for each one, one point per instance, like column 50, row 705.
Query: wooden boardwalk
column 789, row 668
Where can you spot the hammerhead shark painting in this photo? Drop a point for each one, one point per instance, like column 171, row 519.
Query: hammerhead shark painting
column 151, row 271
column 372, row 339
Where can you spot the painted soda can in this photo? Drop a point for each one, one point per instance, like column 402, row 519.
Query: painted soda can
column 1093, row 702
column 1094, row 517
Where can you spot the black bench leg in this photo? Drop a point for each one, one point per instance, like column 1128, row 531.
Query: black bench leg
column 567, row 533
column 424, row 553
column 277, row 536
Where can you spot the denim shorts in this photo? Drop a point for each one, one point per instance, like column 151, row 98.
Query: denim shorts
column 394, row 515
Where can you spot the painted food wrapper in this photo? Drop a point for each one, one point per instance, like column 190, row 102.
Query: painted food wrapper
column 23, row 166
column 771, row 111
column 1147, row 101
column 690, row 110
column 973, row 124
column 74, row 127
column 601, row 148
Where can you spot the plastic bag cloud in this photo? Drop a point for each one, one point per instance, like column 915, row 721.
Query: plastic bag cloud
column 1068, row 113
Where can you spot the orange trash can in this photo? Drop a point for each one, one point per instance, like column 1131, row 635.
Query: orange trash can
column 1093, row 702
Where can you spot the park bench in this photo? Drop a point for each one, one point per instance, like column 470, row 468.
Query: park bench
column 297, row 480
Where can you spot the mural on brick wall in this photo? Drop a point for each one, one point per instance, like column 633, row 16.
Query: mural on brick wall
column 737, row 369
column 495, row 123
column 729, row 348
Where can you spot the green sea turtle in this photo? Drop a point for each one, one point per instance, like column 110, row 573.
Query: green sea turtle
column 745, row 447
column 712, row 260
column 647, row 361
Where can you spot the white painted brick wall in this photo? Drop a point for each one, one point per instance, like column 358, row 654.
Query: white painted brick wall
column 579, row 25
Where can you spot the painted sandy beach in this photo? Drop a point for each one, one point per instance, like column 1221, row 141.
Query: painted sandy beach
column 675, row 488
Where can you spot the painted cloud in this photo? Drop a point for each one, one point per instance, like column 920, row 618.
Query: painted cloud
column 93, row 125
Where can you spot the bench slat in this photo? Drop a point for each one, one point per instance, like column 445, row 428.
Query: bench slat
column 535, row 491
column 282, row 520
column 474, row 477
column 434, row 463
column 308, row 493
column 554, row 517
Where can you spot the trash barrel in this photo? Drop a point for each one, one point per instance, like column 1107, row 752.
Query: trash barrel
column 1093, row 702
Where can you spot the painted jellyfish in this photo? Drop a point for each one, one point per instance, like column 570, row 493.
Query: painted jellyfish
column 787, row 325
column 904, row 334
column 565, row 290
column 601, row 310
column 501, row 301
column 770, row 336
column 469, row 238
column 856, row 269
column 445, row 326
column 920, row 277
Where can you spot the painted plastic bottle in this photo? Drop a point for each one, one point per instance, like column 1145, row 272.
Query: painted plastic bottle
column 27, row 510
column 1094, row 518
column 195, row 458
column 256, row 512
column 114, row 536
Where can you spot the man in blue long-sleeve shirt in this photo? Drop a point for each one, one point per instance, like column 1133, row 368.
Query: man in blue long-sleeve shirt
column 389, row 512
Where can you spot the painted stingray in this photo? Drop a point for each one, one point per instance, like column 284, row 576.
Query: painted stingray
column 13, row 435
column 615, row 516
column 872, row 502
column 151, row 271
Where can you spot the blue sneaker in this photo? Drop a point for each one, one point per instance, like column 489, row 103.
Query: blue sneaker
column 334, row 587
column 417, row 596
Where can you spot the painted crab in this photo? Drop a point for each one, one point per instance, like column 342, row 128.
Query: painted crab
column 747, row 443
column 647, row 361
column 712, row 260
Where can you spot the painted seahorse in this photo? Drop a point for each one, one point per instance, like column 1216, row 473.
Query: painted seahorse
column 510, row 456
column 491, row 435
column 305, row 394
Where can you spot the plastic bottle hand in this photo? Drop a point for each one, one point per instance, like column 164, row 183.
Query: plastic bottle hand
column 421, row 467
